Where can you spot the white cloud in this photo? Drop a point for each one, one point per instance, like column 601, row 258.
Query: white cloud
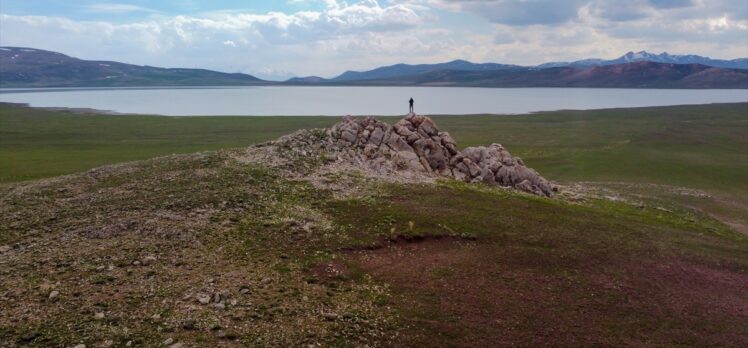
column 116, row 8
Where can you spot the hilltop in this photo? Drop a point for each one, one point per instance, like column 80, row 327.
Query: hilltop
column 323, row 238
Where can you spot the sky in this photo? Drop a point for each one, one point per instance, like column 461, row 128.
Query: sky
column 284, row 38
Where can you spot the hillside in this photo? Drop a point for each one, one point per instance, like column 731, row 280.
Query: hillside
column 400, row 70
column 26, row 67
column 404, row 70
column 629, row 75
column 313, row 240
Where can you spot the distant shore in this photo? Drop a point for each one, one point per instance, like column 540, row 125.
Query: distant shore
column 64, row 109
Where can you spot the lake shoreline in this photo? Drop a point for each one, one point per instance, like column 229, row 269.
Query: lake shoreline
column 90, row 111
column 95, row 112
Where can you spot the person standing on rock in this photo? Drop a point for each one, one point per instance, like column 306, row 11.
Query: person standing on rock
column 411, row 104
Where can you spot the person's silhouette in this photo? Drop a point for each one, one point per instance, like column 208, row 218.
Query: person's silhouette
column 411, row 104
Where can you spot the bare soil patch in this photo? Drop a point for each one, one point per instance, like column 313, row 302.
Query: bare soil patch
column 475, row 294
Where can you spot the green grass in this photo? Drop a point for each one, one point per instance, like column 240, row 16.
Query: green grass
column 694, row 146
column 37, row 143
column 700, row 146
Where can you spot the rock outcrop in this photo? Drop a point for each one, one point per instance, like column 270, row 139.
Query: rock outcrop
column 415, row 144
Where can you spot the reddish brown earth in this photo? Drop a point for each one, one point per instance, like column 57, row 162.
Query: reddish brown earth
column 480, row 294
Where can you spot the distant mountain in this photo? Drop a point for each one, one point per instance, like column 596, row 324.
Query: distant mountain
column 578, row 63
column 27, row 67
column 306, row 80
column 408, row 70
column 629, row 75
column 644, row 56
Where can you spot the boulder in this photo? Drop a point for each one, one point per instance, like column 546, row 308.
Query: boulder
column 376, row 136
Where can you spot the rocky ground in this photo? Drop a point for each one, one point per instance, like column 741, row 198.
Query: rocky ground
column 415, row 145
column 291, row 243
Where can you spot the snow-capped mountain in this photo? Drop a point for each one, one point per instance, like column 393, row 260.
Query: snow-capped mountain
column 644, row 56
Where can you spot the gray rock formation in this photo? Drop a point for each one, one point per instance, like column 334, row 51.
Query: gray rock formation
column 416, row 144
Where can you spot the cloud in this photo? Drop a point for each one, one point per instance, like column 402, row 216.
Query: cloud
column 116, row 8
column 671, row 3
column 553, row 12
column 354, row 36
column 193, row 41
column 521, row 12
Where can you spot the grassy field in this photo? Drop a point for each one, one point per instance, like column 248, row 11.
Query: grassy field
column 215, row 249
column 37, row 143
column 693, row 146
column 652, row 152
column 699, row 147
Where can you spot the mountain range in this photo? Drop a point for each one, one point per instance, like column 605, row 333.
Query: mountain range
column 631, row 75
column 400, row 70
column 28, row 67
column 644, row 56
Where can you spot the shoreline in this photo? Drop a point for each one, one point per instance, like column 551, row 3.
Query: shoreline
column 71, row 110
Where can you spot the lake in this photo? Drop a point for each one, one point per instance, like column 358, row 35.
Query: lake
column 336, row 101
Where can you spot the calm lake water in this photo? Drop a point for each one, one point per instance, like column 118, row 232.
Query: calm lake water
column 336, row 101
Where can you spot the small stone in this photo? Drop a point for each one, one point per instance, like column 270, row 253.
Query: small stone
column 219, row 305
column 136, row 263
column 168, row 341
column 53, row 294
column 176, row 345
column 149, row 260
column 233, row 302
column 330, row 316
column 108, row 343
column 100, row 268
column 156, row 316
column 80, row 346
column 266, row 280
column 99, row 316
column 110, row 268
column 203, row 299
column 244, row 291
column 128, row 344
